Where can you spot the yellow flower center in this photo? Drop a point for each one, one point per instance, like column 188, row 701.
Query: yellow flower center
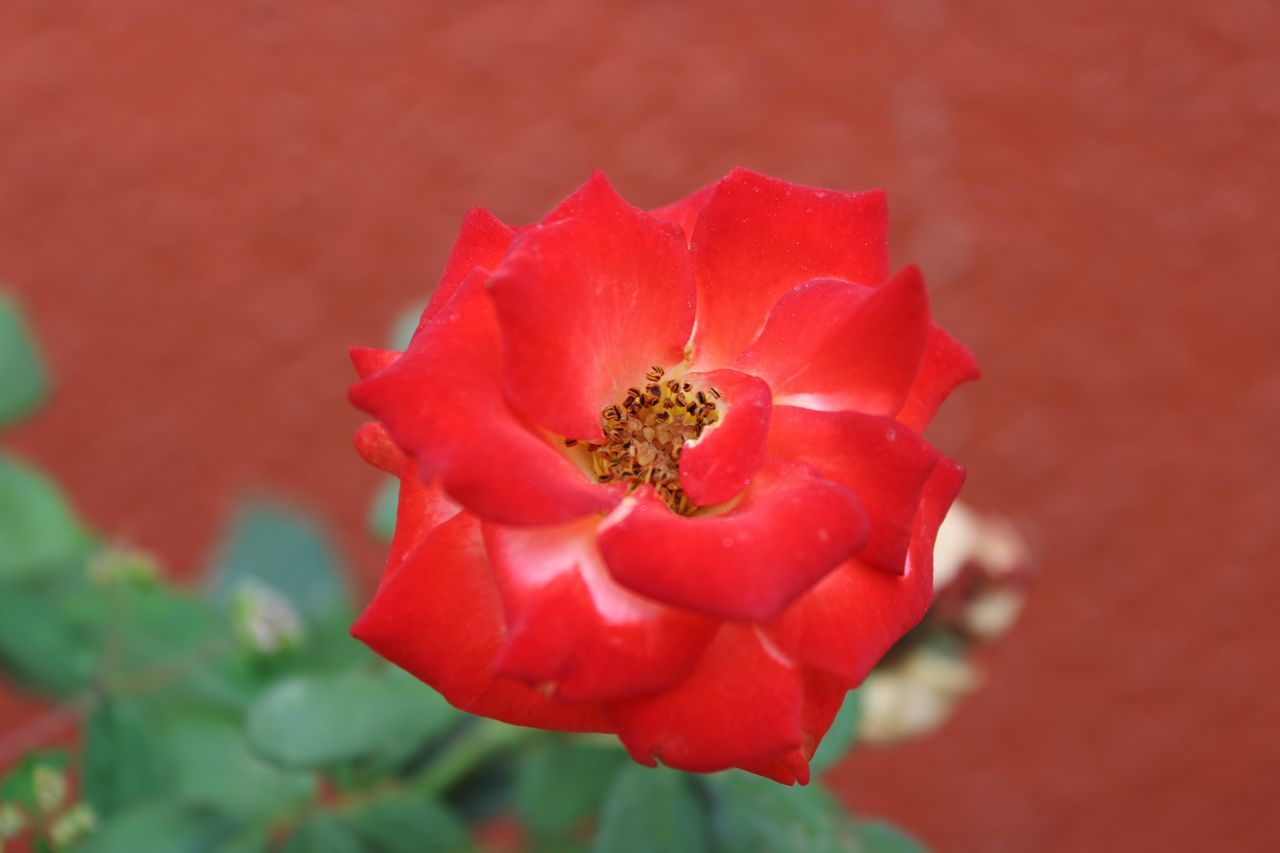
column 645, row 433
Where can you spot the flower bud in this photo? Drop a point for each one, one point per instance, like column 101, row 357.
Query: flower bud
column 264, row 620
column 914, row 697
column 50, row 785
column 74, row 825
column 12, row 821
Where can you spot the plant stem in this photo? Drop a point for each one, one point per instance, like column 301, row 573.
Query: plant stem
column 486, row 739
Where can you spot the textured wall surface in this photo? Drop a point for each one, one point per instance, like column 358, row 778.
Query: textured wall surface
column 203, row 204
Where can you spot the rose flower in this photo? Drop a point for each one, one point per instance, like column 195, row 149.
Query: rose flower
column 662, row 473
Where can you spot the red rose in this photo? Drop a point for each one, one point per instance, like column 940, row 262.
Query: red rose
column 662, row 473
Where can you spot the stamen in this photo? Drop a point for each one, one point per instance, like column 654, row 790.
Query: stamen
column 645, row 433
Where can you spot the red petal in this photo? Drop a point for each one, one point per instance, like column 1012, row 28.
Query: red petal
column 442, row 403
column 722, row 462
column 879, row 459
column 482, row 242
column 832, row 345
column 790, row 529
column 823, row 696
column 438, row 616
column 947, row 363
column 686, row 210
column 741, row 706
column 375, row 446
column 570, row 624
column 587, row 304
column 759, row 237
column 368, row 360
column 790, row 768
column 846, row 623
column 420, row 509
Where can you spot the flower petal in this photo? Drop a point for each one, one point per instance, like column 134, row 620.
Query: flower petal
column 833, row 345
column 946, row 364
column 482, row 243
column 759, row 237
column 686, row 210
column 846, row 623
column 570, row 624
column 790, row 529
column 420, row 509
column 438, row 615
column 375, row 446
column 823, row 696
column 788, row 769
column 369, row 360
column 722, row 462
column 742, row 705
column 587, row 304
column 442, row 403
column 879, row 459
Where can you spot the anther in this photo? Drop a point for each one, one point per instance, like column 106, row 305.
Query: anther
column 646, row 433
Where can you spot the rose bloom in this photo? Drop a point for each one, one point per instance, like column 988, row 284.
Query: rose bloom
column 661, row 472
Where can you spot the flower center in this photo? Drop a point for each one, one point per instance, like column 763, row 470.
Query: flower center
column 645, row 433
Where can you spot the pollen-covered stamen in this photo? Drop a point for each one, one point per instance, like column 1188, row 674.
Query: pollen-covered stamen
column 645, row 433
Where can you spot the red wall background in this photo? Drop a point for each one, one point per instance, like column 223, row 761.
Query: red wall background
column 202, row 205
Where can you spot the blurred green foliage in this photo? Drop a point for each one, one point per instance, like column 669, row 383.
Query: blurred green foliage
column 242, row 717
column 23, row 379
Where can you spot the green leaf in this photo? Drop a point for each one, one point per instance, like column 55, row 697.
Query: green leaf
column 50, row 637
column 246, row 838
column 651, row 809
column 123, row 765
column 382, row 514
column 314, row 720
column 159, row 625
column 877, row 836
column 324, row 833
column 177, row 642
column 19, row 785
column 163, row 825
column 401, row 823
column 23, row 381
column 560, row 781
column 214, row 768
column 286, row 551
column 754, row 815
column 38, row 530
column 841, row 735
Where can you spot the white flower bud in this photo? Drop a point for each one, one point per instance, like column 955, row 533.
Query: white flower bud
column 74, row 825
column 12, row 821
column 50, row 788
column 264, row 620
column 914, row 697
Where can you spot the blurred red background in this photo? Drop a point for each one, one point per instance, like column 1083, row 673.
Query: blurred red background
column 202, row 205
